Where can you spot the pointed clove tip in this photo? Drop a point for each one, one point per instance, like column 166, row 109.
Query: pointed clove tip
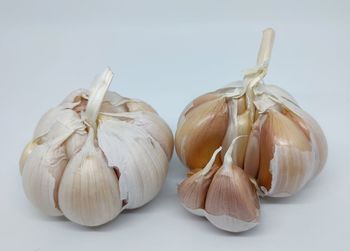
column 108, row 73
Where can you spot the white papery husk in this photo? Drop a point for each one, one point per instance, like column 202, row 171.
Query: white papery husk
column 63, row 112
column 44, row 165
column 141, row 160
column 89, row 190
column 41, row 175
column 152, row 124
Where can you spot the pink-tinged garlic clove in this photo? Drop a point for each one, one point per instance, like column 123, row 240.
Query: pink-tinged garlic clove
column 201, row 133
column 232, row 202
column 286, row 156
column 193, row 190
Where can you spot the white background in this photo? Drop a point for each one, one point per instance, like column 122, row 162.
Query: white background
column 167, row 53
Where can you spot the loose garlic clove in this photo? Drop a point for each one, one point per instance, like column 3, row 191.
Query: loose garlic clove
column 232, row 202
column 201, row 133
column 193, row 190
column 89, row 189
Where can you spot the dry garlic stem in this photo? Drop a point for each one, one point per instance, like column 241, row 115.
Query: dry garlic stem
column 96, row 154
column 281, row 147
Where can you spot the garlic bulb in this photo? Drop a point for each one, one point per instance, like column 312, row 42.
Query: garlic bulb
column 280, row 147
column 96, row 154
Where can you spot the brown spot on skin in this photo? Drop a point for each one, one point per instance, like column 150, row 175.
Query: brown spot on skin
column 82, row 104
column 117, row 172
column 202, row 133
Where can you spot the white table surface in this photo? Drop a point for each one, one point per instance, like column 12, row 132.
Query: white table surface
column 167, row 53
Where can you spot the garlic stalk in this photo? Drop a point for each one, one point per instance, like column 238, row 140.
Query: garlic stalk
column 96, row 154
column 281, row 147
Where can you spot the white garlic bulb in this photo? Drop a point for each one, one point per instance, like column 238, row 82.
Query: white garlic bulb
column 281, row 147
column 96, row 154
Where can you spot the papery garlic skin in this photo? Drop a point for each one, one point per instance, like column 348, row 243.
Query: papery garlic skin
column 280, row 147
column 96, row 154
column 142, row 175
column 41, row 176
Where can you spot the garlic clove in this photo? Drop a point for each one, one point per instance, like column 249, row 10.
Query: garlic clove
column 41, row 176
column 89, row 189
column 252, row 155
column 44, row 165
column 239, row 124
column 28, row 149
column 310, row 127
column 201, row 133
column 195, row 103
column 232, row 202
column 141, row 160
column 286, row 156
column 193, row 190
